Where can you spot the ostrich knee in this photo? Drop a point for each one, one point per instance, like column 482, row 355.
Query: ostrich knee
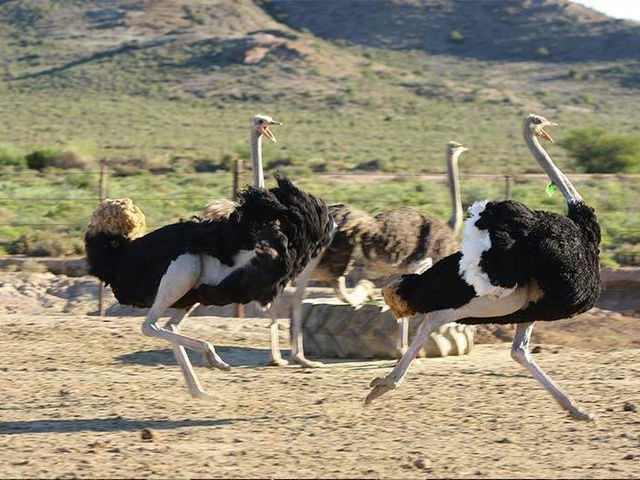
column 519, row 354
column 149, row 329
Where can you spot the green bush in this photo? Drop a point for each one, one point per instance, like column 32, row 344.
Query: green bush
column 11, row 156
column 597, row 151
column 45, row 244
column 542, row 52
column 456, row 36
column 42, row 158
column 208, row 165
column 627, row 254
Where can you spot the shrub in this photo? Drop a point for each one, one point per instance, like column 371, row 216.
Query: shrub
column 627, row 254
column 373, row 165
column 208, row 165
column 193, row 15
column 281, row 162
column 596, row 151
column 542, row 52
column 318, row 165
column 42, row 158
column 456, row 36
column 11, row 156
column 45, row 244
column 70, row 159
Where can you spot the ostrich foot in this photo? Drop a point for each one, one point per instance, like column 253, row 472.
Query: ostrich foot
column 379, row 387
column 579, row 414
column 278, row 362
column 211, row 359
column 304, row 362
column 202, row 395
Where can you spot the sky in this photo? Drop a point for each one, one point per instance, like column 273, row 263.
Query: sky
column 615, row 8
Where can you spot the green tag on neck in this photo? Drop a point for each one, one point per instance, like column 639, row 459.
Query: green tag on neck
column 551, row 189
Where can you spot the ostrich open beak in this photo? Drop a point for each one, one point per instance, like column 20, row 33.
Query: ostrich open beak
column 544, row 134
column 268, row 133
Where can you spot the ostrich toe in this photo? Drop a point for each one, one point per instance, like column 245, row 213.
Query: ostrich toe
column 278, row 362
column 202, row 395
column 578, row 414
column 304, row 362
column 379, row 387
column 211, row 359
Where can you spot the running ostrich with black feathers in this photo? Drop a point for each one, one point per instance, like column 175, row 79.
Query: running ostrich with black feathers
column 222, row 208
column 250, row 254
column 400, row 240
column 515, row 265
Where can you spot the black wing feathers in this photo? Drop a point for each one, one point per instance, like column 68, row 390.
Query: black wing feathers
column 283, row 226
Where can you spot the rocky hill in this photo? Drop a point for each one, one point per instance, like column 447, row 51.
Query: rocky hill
column 488, row 30
column 332, row 65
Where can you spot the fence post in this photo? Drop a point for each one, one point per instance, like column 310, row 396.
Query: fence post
column 103, row 195
column 507, row 186
column 237, row 172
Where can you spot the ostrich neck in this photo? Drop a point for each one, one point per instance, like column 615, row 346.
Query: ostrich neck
column 454, row 188
column 569, row 192
column 256, row 159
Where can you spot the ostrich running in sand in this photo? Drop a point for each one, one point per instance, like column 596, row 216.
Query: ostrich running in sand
column 400, row 240
column 222, row 208
column 515, row 265
column 266, row 241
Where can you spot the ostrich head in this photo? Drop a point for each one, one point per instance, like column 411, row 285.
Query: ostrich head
column 456, row 148
column 260, row 125
column 536, row 123
column 117, row 217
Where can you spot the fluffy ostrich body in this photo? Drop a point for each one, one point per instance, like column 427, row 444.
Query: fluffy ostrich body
column 222, row 208
column 400, row 240
column 250, row 256
column 515, row 265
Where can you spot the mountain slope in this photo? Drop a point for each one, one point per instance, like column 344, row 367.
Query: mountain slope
column 159, row 78
column 490, row 29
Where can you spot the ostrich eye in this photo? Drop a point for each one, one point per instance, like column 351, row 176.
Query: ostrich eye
column 537, row 121
column 260, row 122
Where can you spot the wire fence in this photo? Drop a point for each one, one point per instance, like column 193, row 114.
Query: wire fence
column 504, row 185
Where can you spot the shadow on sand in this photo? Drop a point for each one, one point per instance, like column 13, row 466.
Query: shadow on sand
column 233, row 355
column 109, row 424
column 120, row 424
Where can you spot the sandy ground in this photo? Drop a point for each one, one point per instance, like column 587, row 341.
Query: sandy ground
column 78, row 390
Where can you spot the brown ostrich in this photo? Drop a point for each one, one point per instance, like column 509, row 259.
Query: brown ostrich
column 400, row 240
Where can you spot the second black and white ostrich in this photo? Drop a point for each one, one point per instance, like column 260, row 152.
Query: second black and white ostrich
column 264, row 243
column 515, row 265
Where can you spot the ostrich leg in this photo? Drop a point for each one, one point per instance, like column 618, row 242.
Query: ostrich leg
column 478, row 307
column 174, row 323
column 181, row 276
column 297, row 347
column 180, row 353
column 417, row 268
column 355, row 296
column 275, row 358
column 520, row 353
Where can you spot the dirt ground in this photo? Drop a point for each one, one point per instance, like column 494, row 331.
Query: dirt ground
column 77, row 391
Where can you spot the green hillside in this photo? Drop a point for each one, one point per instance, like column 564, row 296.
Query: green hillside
column 171, row 85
